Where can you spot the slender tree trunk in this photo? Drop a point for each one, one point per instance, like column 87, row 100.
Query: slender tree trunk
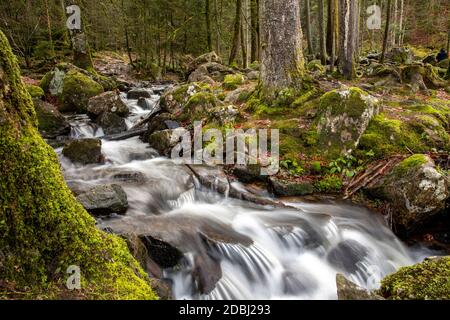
column 329, row 26
column 236, row 32
column 255, row 26
column 49, row 28
column 208, row 25
column 448, row 43
column 308, row 27
column 400, row 24
column 243, row 45
column 322, row 31
column 334, row 31
column 386, row 31
column 282, row 64
column 348, row 37
column 216, row 13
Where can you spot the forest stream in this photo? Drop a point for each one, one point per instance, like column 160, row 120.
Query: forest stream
column 234, row 249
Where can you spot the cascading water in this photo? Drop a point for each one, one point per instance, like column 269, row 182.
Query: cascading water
column 292, row 253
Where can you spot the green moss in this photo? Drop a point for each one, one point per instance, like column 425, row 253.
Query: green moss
column 232, row 81
column 77, row 89
column 329, row 183
column 35, row 91
column 429, row 280
column 43, row 229
column 410, row 163
column 199, row 106
column 353, row 102
column 45, row 81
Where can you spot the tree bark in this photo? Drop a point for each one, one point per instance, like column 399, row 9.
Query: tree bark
column 255, row 30
column 282, row 64
column 236, row 33
column 308, row 27
column 322, row 30
column 348, row 37
column 334, row 31
column 243, row 45
column 208, row 25
column 386, row 31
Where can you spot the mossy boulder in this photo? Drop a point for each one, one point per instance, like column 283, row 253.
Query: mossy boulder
column 51, row 123
column 76, row 91
column 401, row 55
column 429, row 280
column 107, row 102
column 137, row 93
column 84, row 151
column 104, row 200
column 343, row 117
column 316, row 66
column 111, row 123
column 415, row 190
column 163, row 141
column 43, row 229
column 35, row 91
column 347, row 290
column 232, row 81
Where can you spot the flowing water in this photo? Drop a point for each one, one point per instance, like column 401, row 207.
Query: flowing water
column 274, row 253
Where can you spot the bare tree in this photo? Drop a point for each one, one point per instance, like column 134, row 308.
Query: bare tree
column 308, row 26
column 322, row 30
column 348, row 36
column 386, row 31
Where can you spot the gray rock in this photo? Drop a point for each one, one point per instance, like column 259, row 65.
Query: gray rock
column 137, row 93
column 107, row 102
column 253, row 75
column 286, row 188
column 51, row 123
column 112, row 123
column 85, row 151
column 104, row 200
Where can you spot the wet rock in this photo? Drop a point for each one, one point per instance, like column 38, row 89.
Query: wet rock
column 111, row 123
column 104, row 200
column 145, row 103
column 249, row 173
column 206, row 273
column 287, row 188
column 415, row 190
column 164, row 141
column 346, row 255
column 211, row 177
column 343, row 118
column 51, row 123
column 162, row 288
column 135, row 94
column 157, row 123
column 85, row 151
column 347, row 290
column 135, row 177
column 107, row 102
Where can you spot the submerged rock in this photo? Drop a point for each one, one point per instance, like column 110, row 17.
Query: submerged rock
column 415, row 190
column 137, row 93
column 107, row 102
column 85, row 151
column 347, row 290
column 104, row 200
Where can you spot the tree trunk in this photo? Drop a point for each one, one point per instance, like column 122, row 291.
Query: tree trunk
column 208, row 25
column 334, row 17
column 386, row 31
column 49, row 28
column 255, row 30
column 236, row 32
column 322, row 31
column 329, row 26
column 448, row 43
column 43, row 229
column 282, row 64
column 348, row 36
column 216, row 13
column 400, row 24
column 243, row 45
column 80, row 46
column 308, row 27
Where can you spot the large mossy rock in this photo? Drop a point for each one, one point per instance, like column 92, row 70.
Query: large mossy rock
column 73, row 87
column 104, row 200
column 51, row 123
column 43, row 229
column 84, row 151
column 415, row 190
column 163, row 141
column 343, row 117
column 429, row 280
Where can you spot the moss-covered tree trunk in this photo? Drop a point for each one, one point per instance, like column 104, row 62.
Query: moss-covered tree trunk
column 282, row 62
column 43, row 229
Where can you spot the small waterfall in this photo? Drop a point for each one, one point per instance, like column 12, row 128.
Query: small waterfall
column 294, row 252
